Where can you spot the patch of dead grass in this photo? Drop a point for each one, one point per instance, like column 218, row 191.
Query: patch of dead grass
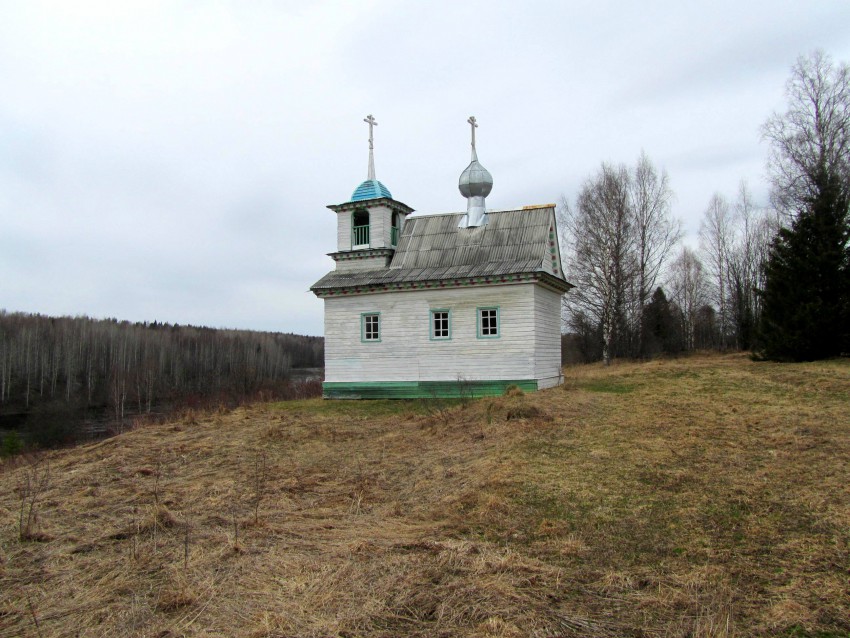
column 705, row 496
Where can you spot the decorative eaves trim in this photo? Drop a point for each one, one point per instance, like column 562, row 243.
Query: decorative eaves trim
column 388, row 201
column 353, row 255
column 542, row 278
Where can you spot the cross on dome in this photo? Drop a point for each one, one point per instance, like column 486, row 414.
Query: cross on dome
column 371, row 122
column 475, row 184
column 371, row 188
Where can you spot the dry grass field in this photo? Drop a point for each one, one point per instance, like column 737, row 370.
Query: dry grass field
column 707, row 496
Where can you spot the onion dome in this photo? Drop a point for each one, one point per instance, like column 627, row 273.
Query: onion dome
column 475, row 181
column 475, row 184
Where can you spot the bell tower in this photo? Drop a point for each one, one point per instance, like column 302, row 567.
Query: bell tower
column 369, row 224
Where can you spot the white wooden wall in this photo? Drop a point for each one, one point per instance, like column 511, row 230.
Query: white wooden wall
column 406, row 352
column 360, row 265
column 343, row 230
column 379, row 226
column 547, row 337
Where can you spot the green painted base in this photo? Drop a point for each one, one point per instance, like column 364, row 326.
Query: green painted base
column 421, row 389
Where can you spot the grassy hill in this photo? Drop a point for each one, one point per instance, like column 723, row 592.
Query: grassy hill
column 707, row 496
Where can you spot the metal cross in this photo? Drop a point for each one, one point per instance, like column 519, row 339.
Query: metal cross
column 370, row 174
column 371, row 122
column 474, row 126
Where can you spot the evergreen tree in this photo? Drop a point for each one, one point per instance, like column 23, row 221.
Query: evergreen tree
column 661, row 326
column 806, row 298
column 806, row 294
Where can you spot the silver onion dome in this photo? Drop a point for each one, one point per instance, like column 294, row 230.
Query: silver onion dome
column 475, row 184
column 475, row 181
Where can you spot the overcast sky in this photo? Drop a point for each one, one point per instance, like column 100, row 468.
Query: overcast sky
column 172, row 161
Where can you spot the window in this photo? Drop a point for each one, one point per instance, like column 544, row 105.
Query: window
column 441, row 324
column 360, row 228
column 394, row 230
column 488, row 323
column 370, row 326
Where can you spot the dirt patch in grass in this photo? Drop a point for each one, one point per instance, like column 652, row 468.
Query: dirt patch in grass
column 706, row 496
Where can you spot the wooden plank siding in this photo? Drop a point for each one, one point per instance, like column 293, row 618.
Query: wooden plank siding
column 379, row 226
column 366, row 264
column 547, row 337
column 343, row 230
column 406, row 351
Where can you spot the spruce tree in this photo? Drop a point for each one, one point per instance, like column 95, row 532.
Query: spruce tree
column 661, row 326
column 806, row 296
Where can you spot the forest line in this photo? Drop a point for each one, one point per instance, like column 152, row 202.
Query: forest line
column 57, row 372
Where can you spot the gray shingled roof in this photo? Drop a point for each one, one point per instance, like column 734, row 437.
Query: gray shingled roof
column 433, row 248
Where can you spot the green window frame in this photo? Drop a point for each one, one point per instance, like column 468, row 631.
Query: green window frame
column 395, row 228
column 488, row 322
column 440, row 324
column 370, row 327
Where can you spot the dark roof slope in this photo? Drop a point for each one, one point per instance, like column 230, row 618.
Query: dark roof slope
column 433, row 248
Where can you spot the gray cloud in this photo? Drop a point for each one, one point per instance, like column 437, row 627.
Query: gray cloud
column 173, row 162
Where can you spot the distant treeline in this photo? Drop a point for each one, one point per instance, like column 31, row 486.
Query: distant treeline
column 773, row 280
column 84, row 366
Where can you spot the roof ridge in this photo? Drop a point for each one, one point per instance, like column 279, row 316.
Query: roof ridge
column 489, row 211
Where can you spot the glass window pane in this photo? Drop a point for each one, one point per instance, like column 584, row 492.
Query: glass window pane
column 488, row 322
column 440, row 324
column 371, row 327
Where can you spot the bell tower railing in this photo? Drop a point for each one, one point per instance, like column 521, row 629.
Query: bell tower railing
column 360, row 235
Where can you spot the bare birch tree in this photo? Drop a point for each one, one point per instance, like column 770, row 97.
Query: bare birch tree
column 600, row 247
column 753, row 230
column 617, row 239
column 811, row 141
column 689, row 291
column 716, row 235
column 656, row 232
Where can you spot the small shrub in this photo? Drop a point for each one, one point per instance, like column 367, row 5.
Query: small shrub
column 34, row 481
column 11, row 444
column 514, row 391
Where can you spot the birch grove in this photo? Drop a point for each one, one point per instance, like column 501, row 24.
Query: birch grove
column 73, row 364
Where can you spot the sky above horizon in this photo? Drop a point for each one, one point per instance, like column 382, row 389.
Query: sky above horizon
column 172, row 161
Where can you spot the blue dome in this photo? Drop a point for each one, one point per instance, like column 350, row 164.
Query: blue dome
column 370, row 189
